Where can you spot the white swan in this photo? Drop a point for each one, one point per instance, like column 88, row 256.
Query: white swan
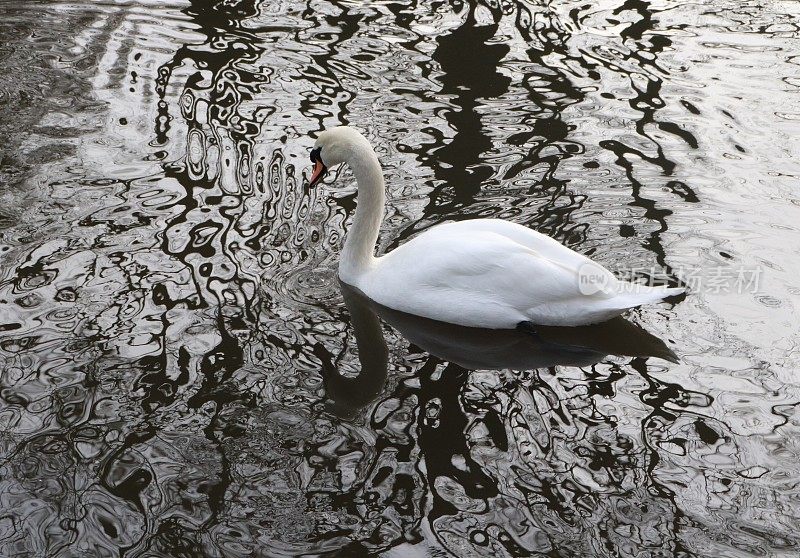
column 485, row 273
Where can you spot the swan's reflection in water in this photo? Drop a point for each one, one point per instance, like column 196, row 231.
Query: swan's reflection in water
column 473, row 348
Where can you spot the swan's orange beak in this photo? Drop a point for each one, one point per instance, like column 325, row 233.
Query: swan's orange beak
column 320, row 170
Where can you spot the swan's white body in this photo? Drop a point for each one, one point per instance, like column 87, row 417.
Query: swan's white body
column 482, row 273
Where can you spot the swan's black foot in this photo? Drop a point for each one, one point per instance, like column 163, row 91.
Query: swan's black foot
column 527, row 327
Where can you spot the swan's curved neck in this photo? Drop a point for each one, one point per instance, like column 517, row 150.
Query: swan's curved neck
column 359, row 248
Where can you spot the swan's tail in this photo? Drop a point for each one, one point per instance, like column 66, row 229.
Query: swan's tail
column 630, row 295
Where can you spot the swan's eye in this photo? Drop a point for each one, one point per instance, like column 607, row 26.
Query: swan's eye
column 315, row 155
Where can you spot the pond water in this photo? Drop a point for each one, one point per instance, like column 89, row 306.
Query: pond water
column 182, row 374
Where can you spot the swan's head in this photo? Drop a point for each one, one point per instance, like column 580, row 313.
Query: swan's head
column 335, row 146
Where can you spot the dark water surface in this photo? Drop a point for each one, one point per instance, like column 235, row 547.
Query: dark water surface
column 183, row 376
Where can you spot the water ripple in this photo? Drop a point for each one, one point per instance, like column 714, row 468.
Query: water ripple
column 183, row 375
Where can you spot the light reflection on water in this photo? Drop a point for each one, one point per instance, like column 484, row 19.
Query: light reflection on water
column 180, row 369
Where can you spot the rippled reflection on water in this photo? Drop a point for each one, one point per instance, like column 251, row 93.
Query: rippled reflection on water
column 182, row 376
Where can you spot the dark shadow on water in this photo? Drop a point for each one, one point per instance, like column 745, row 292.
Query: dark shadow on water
column 473, row 348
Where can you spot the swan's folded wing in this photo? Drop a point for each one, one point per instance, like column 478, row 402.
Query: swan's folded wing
column 477, row 278
column 543, row 245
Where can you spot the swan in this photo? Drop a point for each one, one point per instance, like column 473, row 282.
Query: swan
column 486, row 273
